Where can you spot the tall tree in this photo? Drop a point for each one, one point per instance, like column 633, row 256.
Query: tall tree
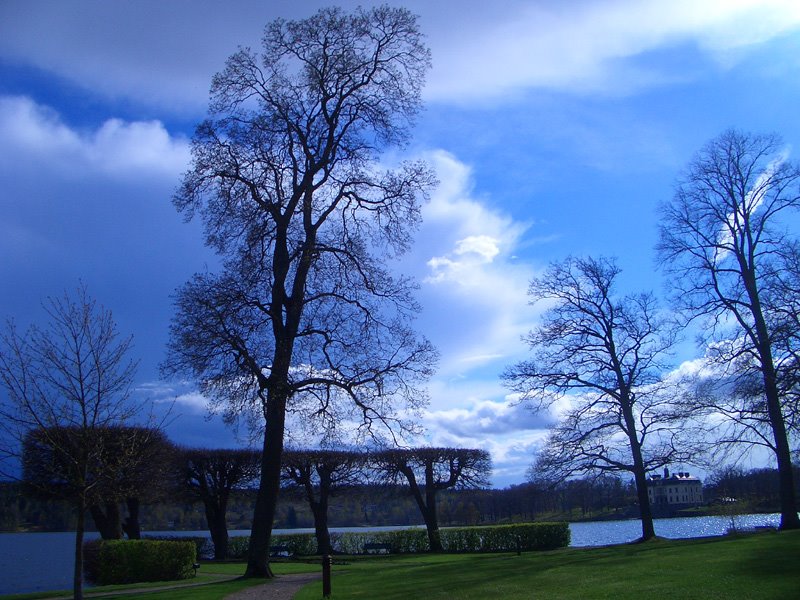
column 722, row 245
column 319, row 474
column 65, row 383
column 210, row 476
column 431, row 470
column 286, row 177
column 604, row 354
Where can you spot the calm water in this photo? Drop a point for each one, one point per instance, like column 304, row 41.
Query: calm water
column 37, row 562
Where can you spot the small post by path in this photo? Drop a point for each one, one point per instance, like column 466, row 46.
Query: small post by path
column 326, row 576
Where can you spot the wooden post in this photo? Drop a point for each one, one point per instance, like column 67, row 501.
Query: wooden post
column 326, row 576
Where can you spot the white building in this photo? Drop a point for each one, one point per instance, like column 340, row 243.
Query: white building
column 676, row 489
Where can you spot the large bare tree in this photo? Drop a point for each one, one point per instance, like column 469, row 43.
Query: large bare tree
column 604, row 354
column 287, row 180
column 431, row 470
column 67, row 383
column 723, row 245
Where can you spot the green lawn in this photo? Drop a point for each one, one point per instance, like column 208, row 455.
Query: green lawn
column 763, row 566
column 754, row 566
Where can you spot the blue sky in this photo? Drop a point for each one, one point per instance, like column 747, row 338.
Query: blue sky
column 555, row 128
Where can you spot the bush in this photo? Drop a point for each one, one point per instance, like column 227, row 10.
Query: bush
column 494, row 538
column 299, row 544
column 91, row 559
column 204, row 548
column 134, row 561
column 506, row 538
column 401, row 541
column 237, row 546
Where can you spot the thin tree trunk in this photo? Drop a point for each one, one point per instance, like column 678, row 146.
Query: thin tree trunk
column 77, row 576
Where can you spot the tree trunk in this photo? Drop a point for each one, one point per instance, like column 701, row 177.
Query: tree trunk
column 432, row 522
column 131, row 526
column 108, row 522
column 267, row 497
column 789, row 517
column 77, row 577
column 428, row 510
column 639, row 473
column 320, row 511
column 218, row 527
column 645, row 511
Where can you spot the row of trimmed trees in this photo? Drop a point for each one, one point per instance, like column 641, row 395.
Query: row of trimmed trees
column 163, row 472
column 211, row 475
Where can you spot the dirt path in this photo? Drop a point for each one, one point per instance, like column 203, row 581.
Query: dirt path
column 283, row 587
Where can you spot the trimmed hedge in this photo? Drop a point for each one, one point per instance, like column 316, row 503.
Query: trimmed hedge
column 492, row 538
column 506, row 538
column 109, row 562
column 204, row 547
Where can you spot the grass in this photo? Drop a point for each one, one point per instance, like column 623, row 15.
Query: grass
column 755, row 566
column 218, row 579
column 759, row 566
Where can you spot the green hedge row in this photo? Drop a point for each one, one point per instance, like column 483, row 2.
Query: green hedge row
column 109, row 562
column 506, row 538
column 493, row 538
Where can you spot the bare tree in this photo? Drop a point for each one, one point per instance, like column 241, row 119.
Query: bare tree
column 65, row 383
column 286, row 178
column 320, row 474
column 431, row 470
column 723, row 248
column 210, row 476
column 605, row 355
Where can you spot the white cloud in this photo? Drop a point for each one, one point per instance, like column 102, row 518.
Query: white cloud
column 164, row 54
column 590, row 46
column 510, row 432
column 471, row 273
column 33, row 134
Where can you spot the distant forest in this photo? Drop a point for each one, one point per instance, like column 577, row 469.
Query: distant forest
column 359, row 506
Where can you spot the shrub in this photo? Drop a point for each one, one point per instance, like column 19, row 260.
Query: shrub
column 238, row 545
column 91, row 559
column 494, row 538
column 204, row 548
column 299, row 544
column 133, row 561
column 401, row 541
column 506, row 538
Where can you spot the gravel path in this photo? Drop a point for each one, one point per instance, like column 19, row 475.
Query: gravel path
column 283, row 587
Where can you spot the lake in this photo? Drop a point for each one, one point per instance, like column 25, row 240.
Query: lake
column 38, row 562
